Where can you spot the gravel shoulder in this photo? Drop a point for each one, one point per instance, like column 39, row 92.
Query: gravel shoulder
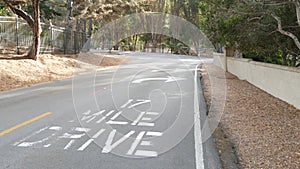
column 256, row 130
column 16, row 72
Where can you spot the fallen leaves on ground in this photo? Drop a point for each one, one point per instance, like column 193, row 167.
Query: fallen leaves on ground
column 264, row 130
column 18, row 72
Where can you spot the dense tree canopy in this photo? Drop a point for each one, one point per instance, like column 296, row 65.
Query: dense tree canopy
column 266, row 30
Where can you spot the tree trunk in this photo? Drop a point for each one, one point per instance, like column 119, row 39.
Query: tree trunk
column 33, row 22
column 284, row 58
column 294, row 60
column 35, row 49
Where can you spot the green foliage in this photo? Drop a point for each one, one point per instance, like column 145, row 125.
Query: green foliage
column 249, row 26
column 48, row 9
column 3, row 10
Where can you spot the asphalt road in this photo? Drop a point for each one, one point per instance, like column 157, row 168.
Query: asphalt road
column 139, row 115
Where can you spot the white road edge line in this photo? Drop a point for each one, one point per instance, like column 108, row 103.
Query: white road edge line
column 197, row 126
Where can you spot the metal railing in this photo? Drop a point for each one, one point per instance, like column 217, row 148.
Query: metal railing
column 16, row 36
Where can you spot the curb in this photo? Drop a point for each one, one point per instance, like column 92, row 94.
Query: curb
column 210, row 154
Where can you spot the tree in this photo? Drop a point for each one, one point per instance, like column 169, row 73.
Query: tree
column 34, row 23
column 266, row 29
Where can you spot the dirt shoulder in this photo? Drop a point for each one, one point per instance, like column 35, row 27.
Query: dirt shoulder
column 256, row 130
column 16, row 72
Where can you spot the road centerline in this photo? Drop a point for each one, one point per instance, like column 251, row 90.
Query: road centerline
column 7, row 131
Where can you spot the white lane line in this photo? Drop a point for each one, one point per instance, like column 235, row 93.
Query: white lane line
column 197, row 126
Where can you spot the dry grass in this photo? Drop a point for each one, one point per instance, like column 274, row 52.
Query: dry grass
column 264, row 130
column 16, row 72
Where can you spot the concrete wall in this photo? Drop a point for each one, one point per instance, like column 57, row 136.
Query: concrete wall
column 279, row 81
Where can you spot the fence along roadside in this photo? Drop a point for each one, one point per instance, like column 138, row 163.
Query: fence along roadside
column 16, row 37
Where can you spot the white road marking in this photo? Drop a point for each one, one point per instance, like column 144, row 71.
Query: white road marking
column 85, row 118
column 80, row 129
column 98, row 133
column 99, row 113
column 103, row 118
column 145, row 153
column 116, row 115
column 146, row 143
column 155, row 71
column 87, row 112
column 138, row 118
column 57, row 128
column 33, row 134
column 29, row 144
column 85, row 145
column 69, row 145
column 197, row 126
column 135, row 143
column 165, row 79
column 126, row 104
column 140, row 102
column 146, row 119
column 154, row 134
column 117, row 122
column 152, row 113
column 72, row 136
column 46, row 146
column 111, row 121
column 108, row 144
column 91, row 119
column 146, row 124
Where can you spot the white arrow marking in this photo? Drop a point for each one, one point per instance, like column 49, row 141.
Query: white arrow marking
column 166, row 79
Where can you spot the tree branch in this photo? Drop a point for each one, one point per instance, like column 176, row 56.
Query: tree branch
column 286, row 33
column 298, row 12
column 20, row 13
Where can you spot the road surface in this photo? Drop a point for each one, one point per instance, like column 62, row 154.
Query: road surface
column 139, row 115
